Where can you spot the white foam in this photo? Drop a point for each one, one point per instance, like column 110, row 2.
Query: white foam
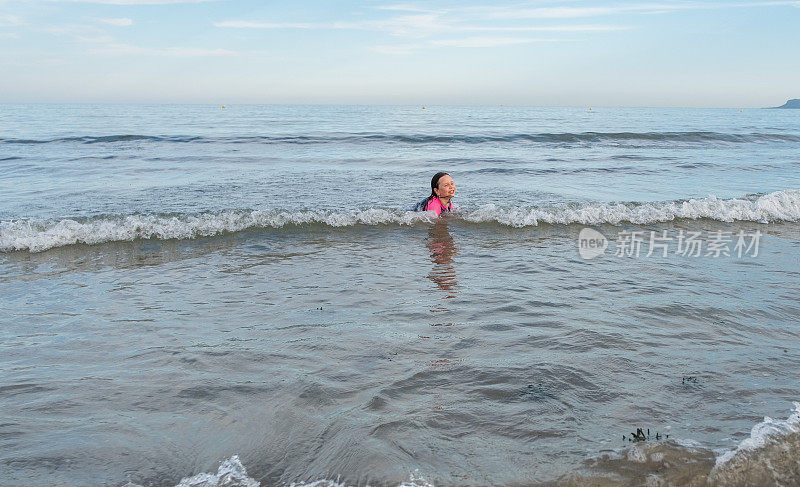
column 416, row 480
column 637, row 454
column 688, row 443
column 762, row 433
column 654, row 480
column 231, row 473
column 38, row 235
column 778, row 206
column 413, row 481
column 319, row 483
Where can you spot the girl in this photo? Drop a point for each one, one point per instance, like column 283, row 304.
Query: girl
column 442, row 191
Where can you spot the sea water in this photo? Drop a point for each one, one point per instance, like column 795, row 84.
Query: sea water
column 192, row 295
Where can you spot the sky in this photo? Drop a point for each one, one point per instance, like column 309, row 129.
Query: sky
column 492, row 52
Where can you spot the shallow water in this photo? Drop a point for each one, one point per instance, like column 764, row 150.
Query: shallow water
column 336, row 337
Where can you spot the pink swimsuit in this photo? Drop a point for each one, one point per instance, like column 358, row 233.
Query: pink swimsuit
column 435, row 204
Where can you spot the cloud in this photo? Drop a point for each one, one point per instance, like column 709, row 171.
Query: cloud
column 246, row 24
column 553, row 28
column 487, row 41
column 792, row 3
column 405, row 7
column 9, row 35
column 567, row 12
column 121, row 22
column 52, row 62
column 183, row 52
column 421, row 23
column 10, row 20
column 395, row 50
column 406, row 25
column 79, row 32
column 643, row 8
column 467, row 42
column 95, row 39
column 133, row 2
column 416, row 26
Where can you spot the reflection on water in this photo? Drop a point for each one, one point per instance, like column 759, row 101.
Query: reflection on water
column 442, row 249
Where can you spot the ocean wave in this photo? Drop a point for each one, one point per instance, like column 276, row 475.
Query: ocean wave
column 772, row 207
column 414, row 480
column 627, row 170
column 770, row 456
column 39, row 235
column 231, row 473
column 366, row 138
column 764, row 436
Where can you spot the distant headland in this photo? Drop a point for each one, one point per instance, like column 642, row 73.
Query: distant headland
column 793, row 103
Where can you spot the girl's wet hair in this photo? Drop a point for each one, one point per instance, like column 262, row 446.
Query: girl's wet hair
column 435, row 181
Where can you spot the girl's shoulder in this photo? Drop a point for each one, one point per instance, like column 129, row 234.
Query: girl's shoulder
column 422, row 205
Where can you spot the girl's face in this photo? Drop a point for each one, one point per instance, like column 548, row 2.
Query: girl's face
column 447, row 187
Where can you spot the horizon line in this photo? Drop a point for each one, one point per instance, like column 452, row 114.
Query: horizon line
column 453, row 105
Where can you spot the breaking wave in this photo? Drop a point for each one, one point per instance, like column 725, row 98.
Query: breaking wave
column 231, row 473
column 768, row 457
column 772, row 207
column 39, row 235
column 366, row 138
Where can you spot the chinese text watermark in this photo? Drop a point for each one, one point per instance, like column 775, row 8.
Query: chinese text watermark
column 592, row 243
